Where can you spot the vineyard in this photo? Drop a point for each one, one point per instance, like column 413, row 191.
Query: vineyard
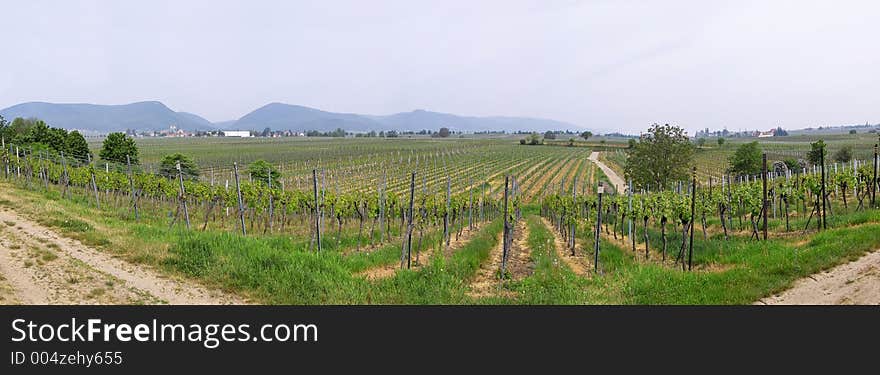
column 447, row 221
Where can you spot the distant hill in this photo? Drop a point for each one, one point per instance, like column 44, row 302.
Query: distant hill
column 279, row 116
column 153, row 115
column 140, row 116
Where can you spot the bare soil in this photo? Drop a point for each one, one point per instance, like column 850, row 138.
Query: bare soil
column 853, row 283
column 40, row 266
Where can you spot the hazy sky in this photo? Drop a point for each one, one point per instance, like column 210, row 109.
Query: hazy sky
column 618, row 65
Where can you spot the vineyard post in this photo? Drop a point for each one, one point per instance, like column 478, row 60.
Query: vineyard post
column 506, row 232
column 600, row 189
column 382, row 205
column 65, row 176
column 94, row 185
column 874, row 180
column 17, row 163
column 573, row 213
column 240, row 200
column 764, row 201
column 317, row 215
column 631, row 215
column 824, row 201
column 131, row 187
column 183, row 195
column 471, row 203
column 446, row 233
column 693, row 219
column 271, row 206
column 407, row 240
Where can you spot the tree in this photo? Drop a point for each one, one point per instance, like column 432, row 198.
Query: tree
column 817, row 152
column 792, row 164
column 117, row 146
column 75, row 146
column 844, row 154
column 853, row 131
column 549, row 135
column 260, row 170
column 570, row 142
column 780, row 132
column 701, row 142
column 661, row 157
column 747, row 160
column 586, row 135
column 443, row 133
column 535, row 139
column 630, row 143
column 168, row 166
column 720, row 141
column 266, row 132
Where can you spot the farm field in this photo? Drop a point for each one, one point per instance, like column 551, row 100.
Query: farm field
column 411, row 221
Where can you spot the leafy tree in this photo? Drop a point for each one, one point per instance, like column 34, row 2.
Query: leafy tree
column 549, row 135
column 661, row 157
column 266, row 132
column 586, row 135
column 260, row 170
column 391, row 134
column 535, row 139
column 630, row 143
column 443, row 133
column 747, row 159
column 188, row 167
column 701, row 142
column 817, row 152
column 720, row 141
column 792, row 164
column 4, row 125
column 570, row 142
column 75, row 145
column 853, row 131
column 780, row 132
column 844, row 154
column 116, row 146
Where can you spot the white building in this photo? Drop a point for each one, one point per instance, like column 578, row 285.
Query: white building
column 236, row 133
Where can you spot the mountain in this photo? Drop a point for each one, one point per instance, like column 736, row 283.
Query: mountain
column 279, row 116
column 150, row 115
column 153, row 115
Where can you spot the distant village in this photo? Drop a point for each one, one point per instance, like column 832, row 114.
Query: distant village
column 173, row 131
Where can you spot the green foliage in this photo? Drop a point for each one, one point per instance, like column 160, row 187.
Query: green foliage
column 817, row 152
column 188, row 167
column 662, row 156
column 443, row 133
column 701, row 142
column 746, row 160
column 792, row 164
column 117, row 146
column 76, row 146
column 260, row 171
column 844, row 154
column 586, row 135
column 549, row 135
column 720, row 141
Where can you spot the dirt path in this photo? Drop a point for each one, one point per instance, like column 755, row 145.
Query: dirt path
column 615, row 179
column 853, row 283
column 519, row 264
column 424, row 256
column 42, row 267
column 580, row 263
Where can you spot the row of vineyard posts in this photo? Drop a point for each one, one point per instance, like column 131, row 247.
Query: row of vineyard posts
column 741, row 203
column 259, row 206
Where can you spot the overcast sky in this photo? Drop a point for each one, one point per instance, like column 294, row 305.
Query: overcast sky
column 618, row 65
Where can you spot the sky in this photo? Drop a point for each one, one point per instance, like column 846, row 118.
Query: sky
column 602, row 65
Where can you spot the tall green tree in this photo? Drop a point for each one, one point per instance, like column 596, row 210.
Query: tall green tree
column 188, row 167
column 586, row 135
column 747, row 159
column 660, row 157
column 117, row 146
column 261, row 169
column 844, row 154
column 75, row 146
column 817, row 152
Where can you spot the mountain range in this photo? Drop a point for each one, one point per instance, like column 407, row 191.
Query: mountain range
column 153, row 115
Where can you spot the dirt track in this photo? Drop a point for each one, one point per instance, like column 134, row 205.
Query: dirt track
column 39, row 266
column 854, row 283
column 615, row 179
